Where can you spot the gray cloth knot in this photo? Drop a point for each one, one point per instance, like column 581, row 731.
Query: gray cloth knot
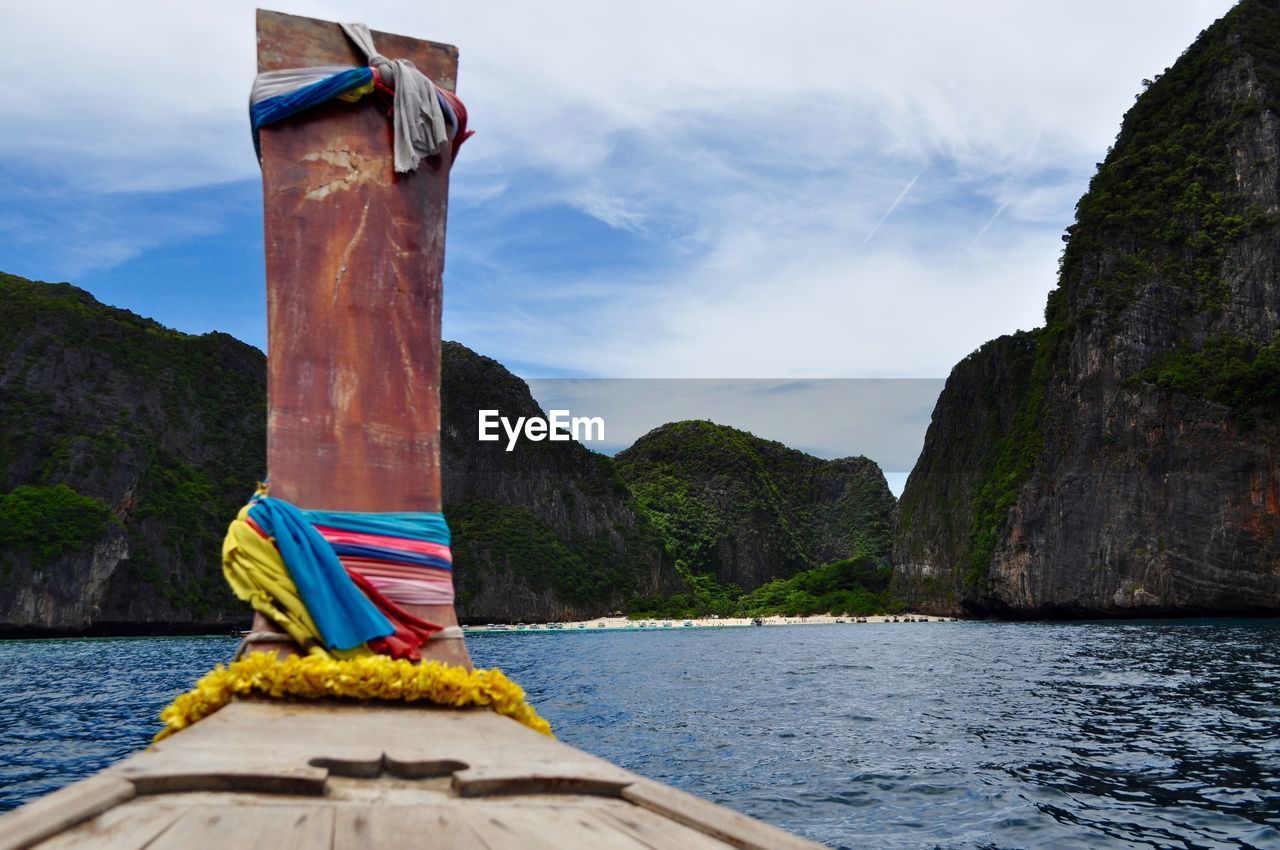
column 418, row 123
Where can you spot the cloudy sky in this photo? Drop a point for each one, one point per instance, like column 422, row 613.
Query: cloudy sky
column 663, row 189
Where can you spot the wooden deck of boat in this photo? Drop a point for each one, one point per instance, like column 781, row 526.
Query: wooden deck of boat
column 279, row 775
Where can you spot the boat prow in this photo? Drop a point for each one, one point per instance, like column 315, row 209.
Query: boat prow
column 343, row 774
column 355, row 256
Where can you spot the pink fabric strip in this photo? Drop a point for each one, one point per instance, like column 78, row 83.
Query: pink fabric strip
column 404, row 571
column 403, row 584
column 404, row 592
column 423, row 547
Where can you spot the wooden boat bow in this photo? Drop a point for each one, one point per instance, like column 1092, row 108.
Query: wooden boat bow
column 355, row 255
column 291, row 774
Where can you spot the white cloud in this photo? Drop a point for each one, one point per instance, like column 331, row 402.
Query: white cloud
column 758, row 310
column 150, row 88
column 757, row 143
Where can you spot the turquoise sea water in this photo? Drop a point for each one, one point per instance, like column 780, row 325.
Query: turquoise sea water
column 975, row 735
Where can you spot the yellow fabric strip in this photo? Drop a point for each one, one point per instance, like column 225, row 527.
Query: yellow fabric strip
column 257, row 574
column 352, row 95
column 371, row 677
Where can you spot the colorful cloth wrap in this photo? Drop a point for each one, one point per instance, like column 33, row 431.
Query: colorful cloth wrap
column 334, row 581
column 425, row 117
column 406, row 556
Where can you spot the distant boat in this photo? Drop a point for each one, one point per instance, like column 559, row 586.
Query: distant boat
column 757, row 621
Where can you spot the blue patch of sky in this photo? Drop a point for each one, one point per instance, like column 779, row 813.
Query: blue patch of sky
column 527, row 261
column 191, row 259
column 511, row 274
column 551, row 240
column 204, row 282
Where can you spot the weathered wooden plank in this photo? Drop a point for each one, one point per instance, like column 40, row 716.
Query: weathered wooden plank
column 266, row 827
column 437, row 827
column 62, row 809
column 129, row 826
column 655, row 831
column 546, row 826
column 725, row 824
column 269, row 735
column 168, row 779
column 291, row 41
column 568, row 778
column 354, row 256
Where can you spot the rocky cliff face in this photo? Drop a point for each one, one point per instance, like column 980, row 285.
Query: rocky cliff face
column 1123, row 460
column 124, row 449
column 746, row 510
column 543, row 532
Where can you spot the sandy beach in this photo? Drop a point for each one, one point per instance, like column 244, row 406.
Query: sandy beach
column 702, row 623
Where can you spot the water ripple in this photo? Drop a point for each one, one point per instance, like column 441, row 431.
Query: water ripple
column 957, row 735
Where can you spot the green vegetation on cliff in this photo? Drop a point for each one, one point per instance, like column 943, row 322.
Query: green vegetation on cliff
column 108, row 418
column 43, row 521
column 508, row 544
column 755, row 526
column 1227, row 370
column 979, row 447
column 1008, row 466
column 856, row 586
column 1163, row 206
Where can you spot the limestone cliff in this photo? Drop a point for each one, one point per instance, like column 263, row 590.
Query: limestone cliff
column 747, row 510
column 1123, row 459
column 124, row 449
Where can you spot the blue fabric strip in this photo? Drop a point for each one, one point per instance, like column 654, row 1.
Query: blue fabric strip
column 343, row 614
column 396, row 556
column 280, row 107
column 447, row 108
column 430, row 527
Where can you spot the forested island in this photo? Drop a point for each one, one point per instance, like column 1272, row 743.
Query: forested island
column 126, row 447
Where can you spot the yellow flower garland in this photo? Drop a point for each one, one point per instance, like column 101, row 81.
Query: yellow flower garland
column 372, row 677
